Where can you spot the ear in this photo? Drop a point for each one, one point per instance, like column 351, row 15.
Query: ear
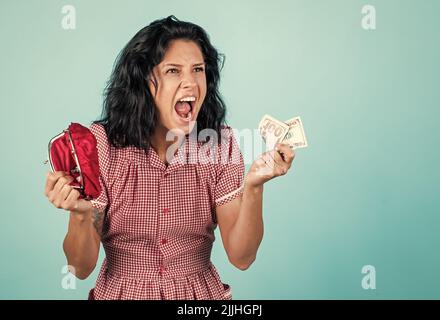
column 152, row 85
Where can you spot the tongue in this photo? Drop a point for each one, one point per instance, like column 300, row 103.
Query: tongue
column 182, row 108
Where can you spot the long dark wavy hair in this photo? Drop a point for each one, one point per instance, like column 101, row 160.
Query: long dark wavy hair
column 129, row 114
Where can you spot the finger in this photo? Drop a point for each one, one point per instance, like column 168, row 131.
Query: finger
column 51, row 180
column 280, row 167
column 268, row 159
column 276, row 159
column 61, row 182
column 61, row 196
column 282, row 164
column 285, row 151
column 54, row 194
column 71, row 202
column 270, row 164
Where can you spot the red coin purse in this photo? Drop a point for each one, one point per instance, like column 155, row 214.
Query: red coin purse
column 74, row 151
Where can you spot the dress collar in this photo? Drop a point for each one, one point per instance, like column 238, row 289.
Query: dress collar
column 186, row 154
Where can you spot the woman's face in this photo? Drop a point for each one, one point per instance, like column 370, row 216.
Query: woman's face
column 180, row 76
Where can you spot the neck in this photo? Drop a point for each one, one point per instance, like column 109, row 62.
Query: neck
column 160, row 144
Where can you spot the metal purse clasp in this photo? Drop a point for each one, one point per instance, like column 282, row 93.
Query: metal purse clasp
column 77, row 169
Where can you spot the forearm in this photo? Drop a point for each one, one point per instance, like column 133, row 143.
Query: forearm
column 81, row 244
column 247, row 232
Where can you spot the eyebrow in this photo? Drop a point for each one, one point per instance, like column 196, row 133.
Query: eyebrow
column 179, row 65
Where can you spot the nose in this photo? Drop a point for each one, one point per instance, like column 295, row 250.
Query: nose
column 188, row 81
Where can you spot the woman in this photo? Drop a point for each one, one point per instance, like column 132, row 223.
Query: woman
column 160, row 203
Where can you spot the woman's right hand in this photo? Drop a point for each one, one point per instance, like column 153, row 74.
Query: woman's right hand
column 64, row 196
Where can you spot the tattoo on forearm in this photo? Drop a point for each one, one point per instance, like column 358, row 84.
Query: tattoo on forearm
column 98, row 219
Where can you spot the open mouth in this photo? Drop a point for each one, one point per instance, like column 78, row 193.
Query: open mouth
column 184, row 109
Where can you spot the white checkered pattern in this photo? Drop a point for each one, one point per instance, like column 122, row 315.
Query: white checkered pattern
column 160, row 220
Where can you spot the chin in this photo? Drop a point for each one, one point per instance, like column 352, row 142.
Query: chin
column 186, row 128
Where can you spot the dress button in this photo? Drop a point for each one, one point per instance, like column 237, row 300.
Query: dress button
column 165, row 210
column 163, row 241
column 162, row 269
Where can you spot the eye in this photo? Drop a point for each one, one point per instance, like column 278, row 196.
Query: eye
column 199, row 69
column 172, row 70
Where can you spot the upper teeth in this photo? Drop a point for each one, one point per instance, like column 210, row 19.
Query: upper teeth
column 188, row 99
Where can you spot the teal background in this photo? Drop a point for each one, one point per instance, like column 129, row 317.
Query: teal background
column 365, row 191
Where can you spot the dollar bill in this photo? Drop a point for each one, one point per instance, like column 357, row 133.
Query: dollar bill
column 290, row 132
column 295, row 138
column 272, row 130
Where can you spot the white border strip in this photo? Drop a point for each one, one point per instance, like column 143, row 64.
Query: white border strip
column 98, row 202
column 229, row 194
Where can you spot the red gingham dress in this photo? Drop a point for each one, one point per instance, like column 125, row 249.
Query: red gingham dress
column 159, row 220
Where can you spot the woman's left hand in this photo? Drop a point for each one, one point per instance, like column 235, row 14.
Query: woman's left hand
column 269, row 165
